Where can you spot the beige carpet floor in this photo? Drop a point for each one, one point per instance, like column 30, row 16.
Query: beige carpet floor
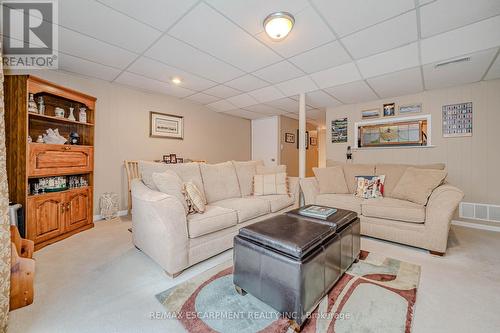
column 97, row 281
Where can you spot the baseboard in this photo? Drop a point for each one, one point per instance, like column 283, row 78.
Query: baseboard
column 476, row 225
column 120, row 213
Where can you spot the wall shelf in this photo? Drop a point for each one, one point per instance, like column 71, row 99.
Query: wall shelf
column 57, row 119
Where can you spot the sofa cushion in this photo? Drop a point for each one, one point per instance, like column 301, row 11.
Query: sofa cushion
column 170, row 183
column 393, row 209
column 344, row 201
column 188, row 172
column 270, row 184
column 266, row 170
column 353, row 170
column 194, row 198
column 220, row 181
column 246, row 208
column 214, row 219
column 331, row 180
column 394, row 172
column 245, row 172
column 278, row 201
column 416, row 185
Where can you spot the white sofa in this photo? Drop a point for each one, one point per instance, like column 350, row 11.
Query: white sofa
column 161, row 229
column 389, row 218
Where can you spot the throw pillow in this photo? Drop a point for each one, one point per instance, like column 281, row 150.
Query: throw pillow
column 416, row 185
column 270, row 184
column 331, row 180
column 370, row 186
column 194, row 197
column 266, row 170
column 170, row 183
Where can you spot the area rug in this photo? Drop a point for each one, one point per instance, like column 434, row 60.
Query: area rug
column 377, row 294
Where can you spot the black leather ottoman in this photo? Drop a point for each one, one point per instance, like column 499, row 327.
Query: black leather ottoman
column 290, row 262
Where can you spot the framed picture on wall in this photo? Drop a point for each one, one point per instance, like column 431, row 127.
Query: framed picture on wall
column 289, row 138
column 307, row 139
column 457, row 120
column 314, row 141
column 339, row 130
column 410, row 108
column 389, row 110
column 163, row 125
column 369, row 114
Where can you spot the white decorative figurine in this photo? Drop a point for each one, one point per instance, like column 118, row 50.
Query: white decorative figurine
column 108, row 202
column 54, row 137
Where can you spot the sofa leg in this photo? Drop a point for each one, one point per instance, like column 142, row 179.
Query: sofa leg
column 436, row 253
column 240, row 291
column 173, row 276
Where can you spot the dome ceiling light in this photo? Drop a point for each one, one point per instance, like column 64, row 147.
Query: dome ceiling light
column 278, row 25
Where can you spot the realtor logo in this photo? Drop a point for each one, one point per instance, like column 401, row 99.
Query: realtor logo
column 29, row 32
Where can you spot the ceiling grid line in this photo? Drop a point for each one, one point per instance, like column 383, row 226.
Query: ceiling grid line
column 490, row 65
column 419, row 46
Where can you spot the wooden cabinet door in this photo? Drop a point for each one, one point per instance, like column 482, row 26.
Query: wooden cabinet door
column 77, row 208
column 48, row 159
column 45, row 217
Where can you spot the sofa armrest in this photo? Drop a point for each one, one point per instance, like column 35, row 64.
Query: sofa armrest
column 159, row 227
column 441, row 206
column 310, row 189
column 294, row 188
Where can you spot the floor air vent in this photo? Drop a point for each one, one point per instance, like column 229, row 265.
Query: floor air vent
column 478, row 211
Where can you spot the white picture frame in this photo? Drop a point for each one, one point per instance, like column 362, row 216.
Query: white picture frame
column 162, row 125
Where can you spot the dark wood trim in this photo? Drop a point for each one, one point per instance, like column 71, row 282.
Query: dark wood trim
column 436, row 253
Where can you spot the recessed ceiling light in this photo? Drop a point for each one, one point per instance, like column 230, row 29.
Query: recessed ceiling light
column 278, row 25
column 176, row 80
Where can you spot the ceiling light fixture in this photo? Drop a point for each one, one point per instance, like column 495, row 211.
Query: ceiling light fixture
column 278, row 25
column 176, row 80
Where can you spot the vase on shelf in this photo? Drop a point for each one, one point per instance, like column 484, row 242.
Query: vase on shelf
column 32, row 105
column 41, row 105
column 82, row 116
column 71, row 115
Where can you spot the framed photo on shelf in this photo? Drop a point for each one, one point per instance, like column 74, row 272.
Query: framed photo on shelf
column 173, row 158
column 389, row 110
column 166, row 159
column 314, row 141
column 370, row 114
column 410, row 108
column 289, row 138
column 163, row 125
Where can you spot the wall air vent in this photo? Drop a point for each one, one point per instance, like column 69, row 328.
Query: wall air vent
column 450, row 62
column 476, row 211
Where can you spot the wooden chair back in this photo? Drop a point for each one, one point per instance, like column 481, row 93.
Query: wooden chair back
column 132, row 168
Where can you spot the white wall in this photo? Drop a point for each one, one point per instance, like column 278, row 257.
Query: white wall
column 473, row 163
column 265, row 140
column 122, row 131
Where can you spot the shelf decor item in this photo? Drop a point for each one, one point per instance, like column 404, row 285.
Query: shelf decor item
column 410, row 108
column 163, row 125
column 369, row 114
column 54, row 137
column 32, row 105
column 59, row 112
column 71, row 116
column 82, row 116
column 339, row 130
column 41, row 105
column 457, row 120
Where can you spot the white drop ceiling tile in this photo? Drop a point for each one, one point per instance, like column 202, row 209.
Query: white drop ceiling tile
column 203, row 98
column 267, row 94
column 384, row 36
column 159, row 71
column 106, row 24
column 265, row 109
column 242, row 100
column 320, row 99
column 85, row 47
column 244, row 114
column 405, row 82
column 445, row 15
column 208, row 30
column 292, row 115
column 320, row 58
column 247, row 83
column 279, row 72
column 296, row 86
column 336, row 75
column 494, row 72
column 178, row 54
column 250, row 15
column 309, row 31
column 160, row 14
column 355, row 92
column 222, row 91
column 286, row 104
column 349, row 16
column 87, row 68
column 222, row 105
column 390, row 61
column 459, row 73
column 146, row 84
column 469, row 39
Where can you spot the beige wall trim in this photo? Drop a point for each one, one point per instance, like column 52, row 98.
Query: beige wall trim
column 476, row 226
column 99, row 217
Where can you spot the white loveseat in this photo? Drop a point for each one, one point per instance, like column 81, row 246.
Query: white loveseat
column 175, row 241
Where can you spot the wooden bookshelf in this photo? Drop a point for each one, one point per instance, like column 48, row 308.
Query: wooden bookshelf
column 50, row 217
